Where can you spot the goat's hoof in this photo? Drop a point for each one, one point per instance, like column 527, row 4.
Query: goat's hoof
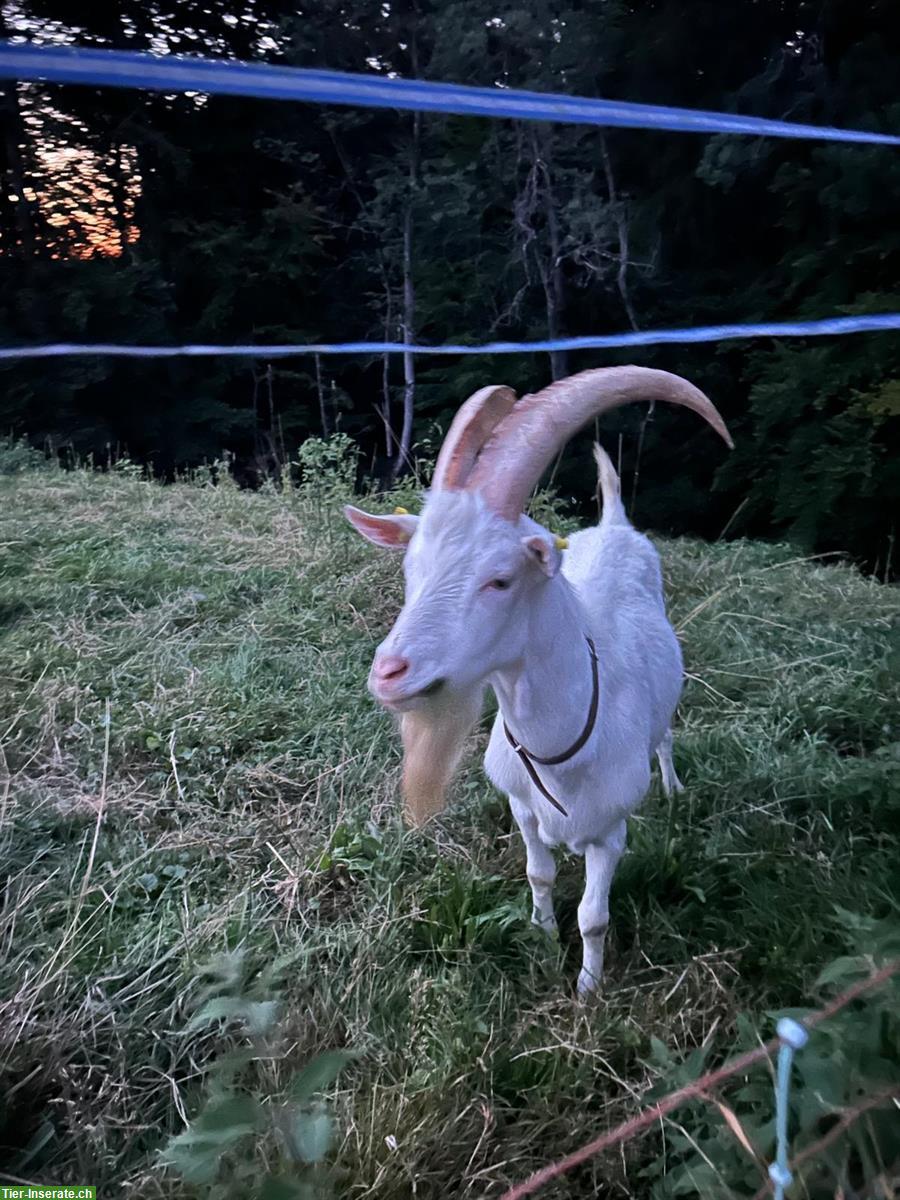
column 588, row 985
column 546, row 925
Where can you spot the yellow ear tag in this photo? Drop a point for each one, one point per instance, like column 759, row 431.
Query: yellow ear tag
column 401, row 512
column 562, row 543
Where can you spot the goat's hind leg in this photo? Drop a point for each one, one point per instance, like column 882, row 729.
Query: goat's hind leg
column 540, row 868
column 670, row 781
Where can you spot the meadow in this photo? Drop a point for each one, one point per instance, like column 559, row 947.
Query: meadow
column 207, row 885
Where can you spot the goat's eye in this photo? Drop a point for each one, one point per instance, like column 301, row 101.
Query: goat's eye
column 498, row 585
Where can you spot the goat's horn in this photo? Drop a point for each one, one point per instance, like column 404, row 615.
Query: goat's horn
column 473, row 424
column 525, row 442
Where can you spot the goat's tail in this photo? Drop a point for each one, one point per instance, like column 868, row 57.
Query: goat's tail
column 608, row 487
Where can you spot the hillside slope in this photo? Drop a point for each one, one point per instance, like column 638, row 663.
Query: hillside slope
column 193, row 767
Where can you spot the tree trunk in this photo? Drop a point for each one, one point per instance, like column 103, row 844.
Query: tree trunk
column 274, row 464
column 408, row 325
column 323, row 416
column 621, row 219
column 538, row 198
column 386, row 373
column 407, row 330
column 552, row 273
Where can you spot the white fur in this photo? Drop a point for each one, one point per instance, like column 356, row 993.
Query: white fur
column 610, row 587
column 529, row 644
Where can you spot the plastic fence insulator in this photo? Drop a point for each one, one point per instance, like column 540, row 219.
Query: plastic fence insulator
column 793, row 1036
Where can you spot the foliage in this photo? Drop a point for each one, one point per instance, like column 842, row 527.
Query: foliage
column 16, row 456
column 327, row 471
column 184, row 680
column 214, row 1148
column 145, row 217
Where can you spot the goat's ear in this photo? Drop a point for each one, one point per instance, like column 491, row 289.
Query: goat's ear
column 391, row 532
column 543, row 550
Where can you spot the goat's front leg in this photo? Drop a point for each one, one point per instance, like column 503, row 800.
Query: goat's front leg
column 540, row 868
column 600, row 862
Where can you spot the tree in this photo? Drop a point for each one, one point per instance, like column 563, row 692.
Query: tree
column 173, row 218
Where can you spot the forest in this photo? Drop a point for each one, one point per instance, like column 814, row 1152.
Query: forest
column 133, row 216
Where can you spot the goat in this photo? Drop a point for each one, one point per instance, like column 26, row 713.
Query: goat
column 578, row 650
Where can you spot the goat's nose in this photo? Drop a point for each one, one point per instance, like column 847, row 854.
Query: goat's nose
column 388, row 668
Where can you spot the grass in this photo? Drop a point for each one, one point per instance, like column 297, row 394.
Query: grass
column 191, row 768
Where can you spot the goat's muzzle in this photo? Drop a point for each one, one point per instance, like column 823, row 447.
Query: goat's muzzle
column 393, row 684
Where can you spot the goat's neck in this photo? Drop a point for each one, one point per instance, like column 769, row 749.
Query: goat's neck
column 545, row 696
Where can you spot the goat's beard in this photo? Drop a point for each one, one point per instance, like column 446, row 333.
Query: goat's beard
column 434, row 737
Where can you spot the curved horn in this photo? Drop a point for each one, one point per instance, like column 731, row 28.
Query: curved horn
column 473, row 424
column 521, row 448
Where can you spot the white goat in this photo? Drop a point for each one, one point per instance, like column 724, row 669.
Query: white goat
column 585, row 665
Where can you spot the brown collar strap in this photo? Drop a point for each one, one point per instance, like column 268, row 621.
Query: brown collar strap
column 528, row 759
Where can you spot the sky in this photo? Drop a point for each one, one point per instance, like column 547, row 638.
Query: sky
column 72, row 184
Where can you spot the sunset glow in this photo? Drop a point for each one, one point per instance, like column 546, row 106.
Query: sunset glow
column 79, row 201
